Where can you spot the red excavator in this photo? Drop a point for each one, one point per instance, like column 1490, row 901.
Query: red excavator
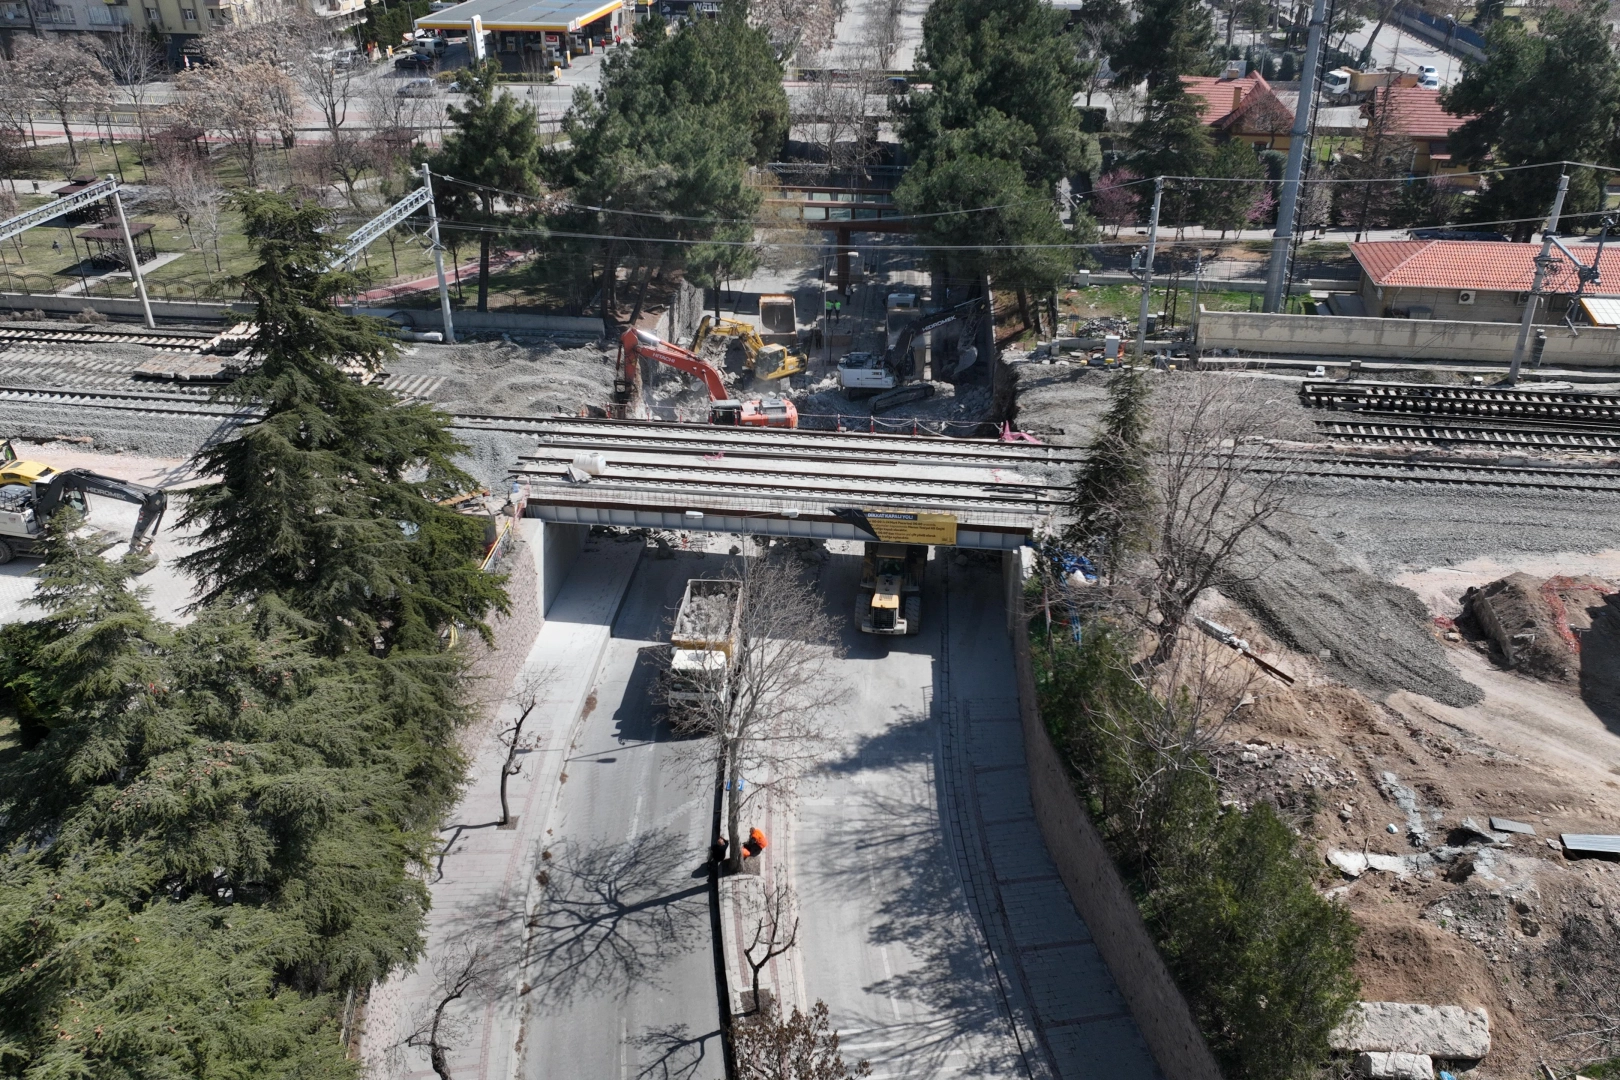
column 763, row 412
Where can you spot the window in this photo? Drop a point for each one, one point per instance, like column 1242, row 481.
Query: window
column 154, row 16
column 188, row 14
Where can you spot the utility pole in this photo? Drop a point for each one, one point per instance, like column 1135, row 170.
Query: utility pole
column 438, row 257
column 1542, row 262
column 1287, row 208
column 134, row 257
column 1147, row 269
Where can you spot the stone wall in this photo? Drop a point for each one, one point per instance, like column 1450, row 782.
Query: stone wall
column 1101, row 896
column 1401, row 339
column 494, row 667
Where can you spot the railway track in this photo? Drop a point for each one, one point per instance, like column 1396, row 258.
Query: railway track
column 1416, row 433
column 1453, row 473
column 1488, row 402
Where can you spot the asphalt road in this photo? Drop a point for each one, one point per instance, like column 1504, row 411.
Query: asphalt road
column 623, row 951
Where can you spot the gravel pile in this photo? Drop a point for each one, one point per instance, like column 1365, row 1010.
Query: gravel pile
column 1370, row 634
column 523, row 377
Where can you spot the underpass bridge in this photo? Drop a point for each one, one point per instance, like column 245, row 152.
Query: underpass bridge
column 971, row 493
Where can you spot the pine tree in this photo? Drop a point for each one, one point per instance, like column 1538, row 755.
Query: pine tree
column 495, row 145
column 1112, row 496
column 312, row 502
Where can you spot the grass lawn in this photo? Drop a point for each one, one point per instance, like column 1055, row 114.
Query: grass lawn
column 1125, row 302
column 38, row 267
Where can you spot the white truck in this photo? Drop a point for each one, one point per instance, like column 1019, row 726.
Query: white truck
column 703, row 642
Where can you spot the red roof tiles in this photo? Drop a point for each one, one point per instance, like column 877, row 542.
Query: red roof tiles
column 1470, row 264
column 1221, row 97
column 1415, row 112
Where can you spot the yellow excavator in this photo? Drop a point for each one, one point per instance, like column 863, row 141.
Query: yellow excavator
column 765, row 361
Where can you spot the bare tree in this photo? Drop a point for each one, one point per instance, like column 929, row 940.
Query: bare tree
column 841, row 109
column 1216, row 481
column 199, row 203
column 241, row 101
column 134, row 64
column 799, row 1047
column 60, row 75
column 797, row 25
column 531, row 691
column 768, row 731
column 774, row 913
column 332, row 87
column 455, row 976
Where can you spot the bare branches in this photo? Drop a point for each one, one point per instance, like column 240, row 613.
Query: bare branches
column 797, row 25
column 61, row 75
column 530, row 692
column 774, row 914
column 841, row 110
column 769, row 730
column 457, row 975
column 799, row 1047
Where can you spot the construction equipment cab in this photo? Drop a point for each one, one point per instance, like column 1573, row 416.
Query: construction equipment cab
column 889, row 600
column 634, row 345
column 860, row 371
column 24, row 508
column 765, row 361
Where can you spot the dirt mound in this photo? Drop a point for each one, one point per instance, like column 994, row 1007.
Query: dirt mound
column 1558, row 629
column 1373, row 635
column 534, row 377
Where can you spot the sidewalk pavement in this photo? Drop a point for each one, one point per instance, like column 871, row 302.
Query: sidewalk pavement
column 481, row 879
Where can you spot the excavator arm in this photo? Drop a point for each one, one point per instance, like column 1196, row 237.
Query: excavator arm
column 898, row 358
column 49, row 495
column 638, row 343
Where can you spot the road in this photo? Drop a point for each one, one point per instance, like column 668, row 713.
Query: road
column 622, row 960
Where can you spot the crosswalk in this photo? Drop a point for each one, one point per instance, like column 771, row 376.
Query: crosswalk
column 414, row 387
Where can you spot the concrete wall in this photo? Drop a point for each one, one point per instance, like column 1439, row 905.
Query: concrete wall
column 1400, row 339
column 555, row 547
column 494, row 667
column 1099, row 893
column 468, row 321
column 123, row 309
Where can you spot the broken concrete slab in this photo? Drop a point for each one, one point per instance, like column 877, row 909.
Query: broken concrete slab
column 1381, row 1066
column 1449, row 1032
column 1349, row 863
column 1508, row 825
column 1590, row 843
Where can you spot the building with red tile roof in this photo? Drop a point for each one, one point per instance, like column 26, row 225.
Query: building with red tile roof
column 1252, row 110
column 1415, row 113
column 1471, row 280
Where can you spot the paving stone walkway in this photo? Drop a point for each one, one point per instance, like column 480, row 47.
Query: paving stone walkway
column 1071, row 1021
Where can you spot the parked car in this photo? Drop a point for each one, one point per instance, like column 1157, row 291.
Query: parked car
column 417, row 88
column 415, row 62
column 1428, row 77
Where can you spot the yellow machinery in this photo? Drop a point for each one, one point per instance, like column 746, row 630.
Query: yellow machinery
column 889, row 600
column 765, row 361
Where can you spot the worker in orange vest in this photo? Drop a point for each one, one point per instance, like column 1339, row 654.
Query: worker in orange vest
column 756, row 843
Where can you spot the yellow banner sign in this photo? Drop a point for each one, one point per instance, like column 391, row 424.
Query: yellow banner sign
column 906, row 527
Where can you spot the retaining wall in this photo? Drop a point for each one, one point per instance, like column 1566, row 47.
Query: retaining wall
column 1097, row 889
column 1401, row 339
column 123, row 309
column 431, row 319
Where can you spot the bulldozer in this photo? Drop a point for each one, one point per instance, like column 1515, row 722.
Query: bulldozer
column 765, row 361
column 889, row 600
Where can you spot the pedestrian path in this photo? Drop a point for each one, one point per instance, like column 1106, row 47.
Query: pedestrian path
column 481, row 878
column 1071, row 1020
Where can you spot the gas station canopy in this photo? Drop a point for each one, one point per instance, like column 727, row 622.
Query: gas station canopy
column 534, row 16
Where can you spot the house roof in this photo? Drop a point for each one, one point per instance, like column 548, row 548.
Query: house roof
column 1415, row 112
column 1222, row 97
column 1469, row 264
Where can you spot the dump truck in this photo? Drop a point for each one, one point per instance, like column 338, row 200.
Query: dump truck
column 889, row 600
column 703, row 642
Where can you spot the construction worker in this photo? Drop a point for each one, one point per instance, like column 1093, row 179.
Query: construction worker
column 756, row 843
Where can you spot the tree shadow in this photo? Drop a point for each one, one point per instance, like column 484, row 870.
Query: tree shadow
column 609, row 916
column 675, row 1055
column 952, row 1014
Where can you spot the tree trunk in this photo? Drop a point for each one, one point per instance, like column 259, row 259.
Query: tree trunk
column 733, row 812
column 610, row 294
column 641, row 295
column 73, row 148
column 1023, row 308
column 483, row 272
